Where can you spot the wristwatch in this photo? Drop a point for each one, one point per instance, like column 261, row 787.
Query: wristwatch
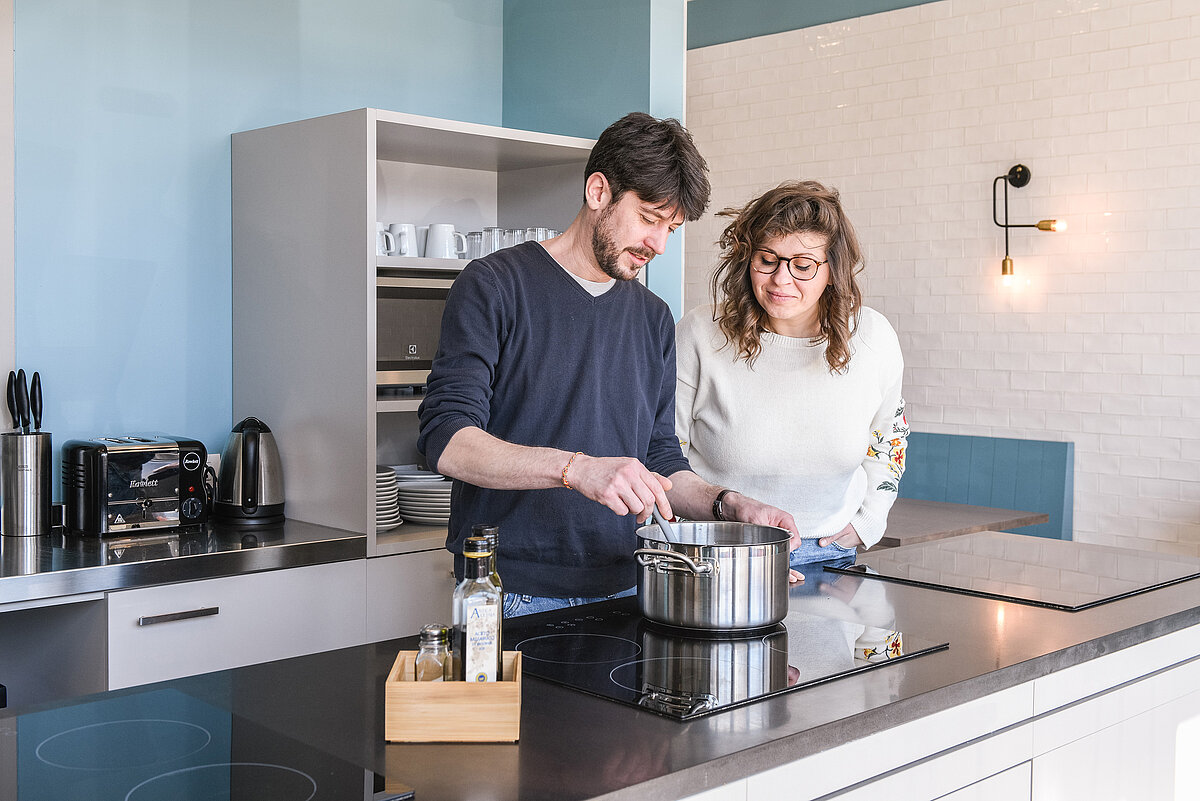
column 718, row 507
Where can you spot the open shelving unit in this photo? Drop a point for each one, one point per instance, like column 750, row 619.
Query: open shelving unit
column 307, row 281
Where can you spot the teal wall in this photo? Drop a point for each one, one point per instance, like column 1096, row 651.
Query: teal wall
column 575, row 67
column 123, row 111
column 713, row 22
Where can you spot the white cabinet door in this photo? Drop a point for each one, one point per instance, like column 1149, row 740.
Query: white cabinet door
column 158, row 633
column 1139, row 741
column 1011, row 785
column 406, row 591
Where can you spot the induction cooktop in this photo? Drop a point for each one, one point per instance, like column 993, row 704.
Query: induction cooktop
column 163, row 743
column 837, row 626
column 1056, row 574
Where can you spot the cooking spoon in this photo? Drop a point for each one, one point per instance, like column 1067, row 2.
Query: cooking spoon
column 667, row 529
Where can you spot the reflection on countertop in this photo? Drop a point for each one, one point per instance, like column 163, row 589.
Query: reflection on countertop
column 35, row 568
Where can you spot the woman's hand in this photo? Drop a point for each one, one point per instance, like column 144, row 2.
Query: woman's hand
column 847, row 538
column 748, row 510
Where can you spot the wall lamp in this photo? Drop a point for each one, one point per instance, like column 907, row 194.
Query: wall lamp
column 1018, row 177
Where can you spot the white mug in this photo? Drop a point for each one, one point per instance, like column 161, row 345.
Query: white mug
column 444, row 242
column 385, row 243
column 405, row 235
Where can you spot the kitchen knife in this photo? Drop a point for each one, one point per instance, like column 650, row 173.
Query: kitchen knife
column 23, row 401
column 35, row 400
column 12, row 398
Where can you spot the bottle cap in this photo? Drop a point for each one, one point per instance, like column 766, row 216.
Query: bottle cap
column 435, row 632
column 476, row 547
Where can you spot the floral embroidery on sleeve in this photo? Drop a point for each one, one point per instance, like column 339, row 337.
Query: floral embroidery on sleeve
column 889, row 447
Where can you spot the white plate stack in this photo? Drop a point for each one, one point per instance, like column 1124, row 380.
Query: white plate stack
column 423, row 496
column 387, row 500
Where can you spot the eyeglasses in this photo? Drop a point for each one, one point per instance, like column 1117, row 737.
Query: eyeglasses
column 802, row 268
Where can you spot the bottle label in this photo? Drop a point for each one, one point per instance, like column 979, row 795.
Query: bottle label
column 482, row 641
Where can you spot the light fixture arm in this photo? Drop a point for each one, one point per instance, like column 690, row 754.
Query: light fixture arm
column 1018, row 176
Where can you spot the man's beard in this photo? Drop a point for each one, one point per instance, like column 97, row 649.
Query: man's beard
column 606, row 252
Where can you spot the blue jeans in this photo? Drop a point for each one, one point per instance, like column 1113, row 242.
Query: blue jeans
column 809, row 552
column 515, row 605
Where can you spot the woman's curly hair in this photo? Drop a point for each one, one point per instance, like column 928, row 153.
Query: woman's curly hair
column 790, row 208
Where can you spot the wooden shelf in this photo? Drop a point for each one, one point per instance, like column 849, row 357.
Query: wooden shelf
column 418, row 263
column 399, row 404
column 409, row 537
column 449, row 143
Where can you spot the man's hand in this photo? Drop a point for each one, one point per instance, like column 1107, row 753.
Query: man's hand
column 623, row 485
column 847, row 538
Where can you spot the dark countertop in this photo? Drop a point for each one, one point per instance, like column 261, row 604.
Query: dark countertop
column 34, row 569
column 574, row 746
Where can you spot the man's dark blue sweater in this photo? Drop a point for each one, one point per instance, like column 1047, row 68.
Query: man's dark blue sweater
column 528, row 355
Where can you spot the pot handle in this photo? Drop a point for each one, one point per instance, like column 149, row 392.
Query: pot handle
column 650, row 557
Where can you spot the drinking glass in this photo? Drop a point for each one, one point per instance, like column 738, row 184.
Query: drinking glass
column 475, row 244
column 493, row 239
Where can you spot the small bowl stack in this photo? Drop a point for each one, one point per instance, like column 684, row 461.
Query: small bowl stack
column 387, row 499
column 423, row 496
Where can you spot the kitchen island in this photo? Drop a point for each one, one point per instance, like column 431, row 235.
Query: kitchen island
column 1004, row 710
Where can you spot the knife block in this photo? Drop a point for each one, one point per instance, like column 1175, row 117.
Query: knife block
column 25, row 491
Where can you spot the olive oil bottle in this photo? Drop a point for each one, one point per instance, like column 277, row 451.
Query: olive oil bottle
column 478, row 613
column 492, row 535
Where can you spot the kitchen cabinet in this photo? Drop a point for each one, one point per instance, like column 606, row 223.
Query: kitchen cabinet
column 169, row 631
column 307, row 281
column 1138, row 741
column 407, row 591
column 52, row 648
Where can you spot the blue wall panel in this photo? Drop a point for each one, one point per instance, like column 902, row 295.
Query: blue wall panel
column 123, row 112
column 1027, row 475
column 715, row 21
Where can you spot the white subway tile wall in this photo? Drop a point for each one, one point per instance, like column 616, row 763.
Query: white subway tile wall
column 911, row 114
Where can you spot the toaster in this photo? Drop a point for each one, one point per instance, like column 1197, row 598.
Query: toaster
column 131, row 483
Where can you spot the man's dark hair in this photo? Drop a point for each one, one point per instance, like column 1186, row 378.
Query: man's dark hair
column 656, row 160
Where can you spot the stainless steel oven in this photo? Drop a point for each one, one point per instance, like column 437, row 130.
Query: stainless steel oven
column 408, row 314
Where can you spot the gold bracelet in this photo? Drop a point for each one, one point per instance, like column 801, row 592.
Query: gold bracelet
column 566, row 483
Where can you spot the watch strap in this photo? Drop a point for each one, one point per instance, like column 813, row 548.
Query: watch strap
column 718, row 508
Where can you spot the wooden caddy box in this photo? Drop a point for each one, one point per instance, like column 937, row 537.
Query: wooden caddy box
column 451, row 711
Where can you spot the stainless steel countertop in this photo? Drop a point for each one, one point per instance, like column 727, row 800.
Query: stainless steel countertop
column 36, row 569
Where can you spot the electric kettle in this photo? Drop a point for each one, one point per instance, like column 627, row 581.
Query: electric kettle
column 250, row 485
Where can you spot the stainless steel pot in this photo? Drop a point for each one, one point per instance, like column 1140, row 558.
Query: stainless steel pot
column 718, row 576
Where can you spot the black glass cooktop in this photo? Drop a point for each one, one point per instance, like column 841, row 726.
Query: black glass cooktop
column 162, row 744
column 837, row 625
column 1030, row 570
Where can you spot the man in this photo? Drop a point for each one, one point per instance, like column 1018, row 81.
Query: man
column 551, row 399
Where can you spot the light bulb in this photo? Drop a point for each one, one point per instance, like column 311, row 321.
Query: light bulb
column 1052, row 225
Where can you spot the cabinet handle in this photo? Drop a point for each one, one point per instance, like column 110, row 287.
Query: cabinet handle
column 205, row 611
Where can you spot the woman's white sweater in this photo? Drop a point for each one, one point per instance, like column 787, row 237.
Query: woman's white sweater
column 826, row 447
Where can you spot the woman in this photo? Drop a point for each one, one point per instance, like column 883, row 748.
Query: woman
column 788, row 387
